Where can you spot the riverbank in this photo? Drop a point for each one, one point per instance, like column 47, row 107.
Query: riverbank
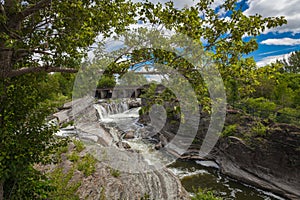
column 260, row 153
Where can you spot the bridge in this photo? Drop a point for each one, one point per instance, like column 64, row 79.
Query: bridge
column 124, row 91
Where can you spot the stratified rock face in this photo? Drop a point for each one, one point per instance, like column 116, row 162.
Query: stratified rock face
column 155, row 185
column 271, row 162
column 109, row 183
column 113, row 183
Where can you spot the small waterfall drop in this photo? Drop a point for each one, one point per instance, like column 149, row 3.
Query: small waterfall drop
column 106, row 110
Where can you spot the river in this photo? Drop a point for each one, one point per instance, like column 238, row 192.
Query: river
column 119, row 119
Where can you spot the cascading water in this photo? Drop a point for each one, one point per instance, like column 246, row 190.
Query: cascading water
column 106, row 110
column 119, row 120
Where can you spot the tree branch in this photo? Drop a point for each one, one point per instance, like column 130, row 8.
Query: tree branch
column 38, row 6
column 34, row 51
column 12, row 34
column 25, row 70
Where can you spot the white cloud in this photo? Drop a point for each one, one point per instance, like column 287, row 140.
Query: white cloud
column 268, row 8
column 270, row 59
column 276, row 51
column 217, row 3
column 282, row 41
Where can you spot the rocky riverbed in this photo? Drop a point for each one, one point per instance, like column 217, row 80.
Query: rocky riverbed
column 260, row 153
column 134, row 182
column 267, row 159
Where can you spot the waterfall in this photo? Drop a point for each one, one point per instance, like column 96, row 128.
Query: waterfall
column 106, row 109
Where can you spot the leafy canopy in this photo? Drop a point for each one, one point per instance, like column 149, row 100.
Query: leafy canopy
column 51, row 35
column 38, row 37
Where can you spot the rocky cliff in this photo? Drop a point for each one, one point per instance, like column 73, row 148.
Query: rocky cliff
column 260, row 153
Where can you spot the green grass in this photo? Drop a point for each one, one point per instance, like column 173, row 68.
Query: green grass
column 79, row 146
column 115, row 173
column 229, row 130
column 87, row 165
column 56, row 158
column 73, row 157
column 205, row 195
column 70, row 123
column 64, row 188
column 259, row 129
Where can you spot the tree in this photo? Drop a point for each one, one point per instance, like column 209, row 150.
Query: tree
column 106, row 82
column 292, row 63
column 132, row 79
column 53, row 35
column 223, row 36
column 37, row 37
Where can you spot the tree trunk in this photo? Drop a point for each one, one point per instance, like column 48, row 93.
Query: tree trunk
column 1, row 190
column 5, row 61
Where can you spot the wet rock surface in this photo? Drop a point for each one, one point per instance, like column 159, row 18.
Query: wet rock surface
column 129, row 135
column 268, row 160
column 117, row 181
column 271, row 162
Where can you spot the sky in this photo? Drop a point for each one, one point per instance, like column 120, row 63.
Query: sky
column 281, row 41
column 274, row 43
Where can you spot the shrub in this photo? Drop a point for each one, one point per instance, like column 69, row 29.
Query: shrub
column 115, row 172
column 106, row 81
column 87, row 165
column 229, row 130
column 260, row 107
column 73, row 157
column 259, row 129
column 65, row 189
column 70, row 123
column 288, row 115
column 79, row 145
column 205, row 195
column 30, row 184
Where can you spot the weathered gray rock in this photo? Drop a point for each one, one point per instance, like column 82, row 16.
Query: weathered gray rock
column 134, row 104
column 72, row 109
column 134, row 181
column 123, row 145
column 129, row 135
column 156, row 184
column 270, row 161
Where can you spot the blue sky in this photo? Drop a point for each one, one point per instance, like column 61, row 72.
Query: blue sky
column 274, row 43
column 279, row 42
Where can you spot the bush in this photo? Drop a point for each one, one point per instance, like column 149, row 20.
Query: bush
column 30, row 184
column 73, row 157
column 260, row 107
column 288, row 115
column 79, row 145
column 205, row 195
column 259, row 129
column 87, row 165
column 65, row 188
column 229, row 130
column 106, row 82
